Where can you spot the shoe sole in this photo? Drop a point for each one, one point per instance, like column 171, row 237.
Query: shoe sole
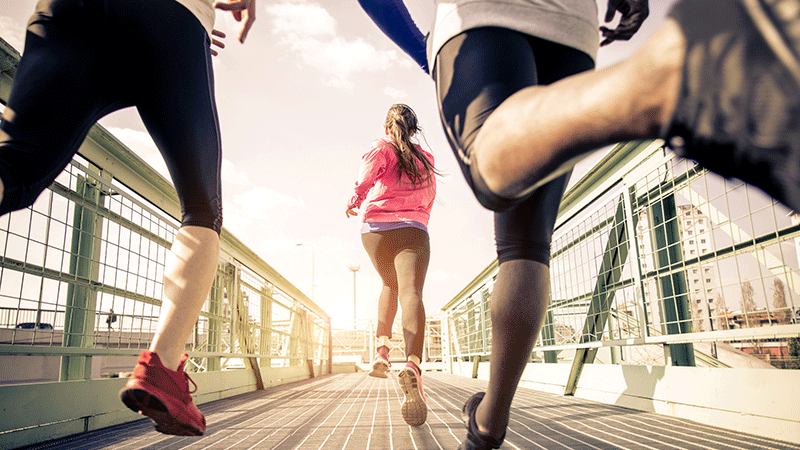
column 379, row 370
column 142, row 402
column 414, row 409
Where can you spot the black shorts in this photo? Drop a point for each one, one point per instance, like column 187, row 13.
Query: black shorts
column 86, row 58
column 475, row 72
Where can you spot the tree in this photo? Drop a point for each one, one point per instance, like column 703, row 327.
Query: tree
column 722, row 313
column 781, row 311
column 794, row 353
column 748, row 302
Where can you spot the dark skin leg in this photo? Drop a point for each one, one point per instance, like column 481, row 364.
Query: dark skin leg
column 519, row 305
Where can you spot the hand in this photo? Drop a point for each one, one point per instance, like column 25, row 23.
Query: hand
column 350, row 213
column 241, row 9
column 633, row 14
column 219, row 44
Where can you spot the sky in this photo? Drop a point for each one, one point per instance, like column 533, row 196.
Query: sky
column 299, row 103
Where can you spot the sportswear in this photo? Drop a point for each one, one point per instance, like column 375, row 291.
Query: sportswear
column 386, row 196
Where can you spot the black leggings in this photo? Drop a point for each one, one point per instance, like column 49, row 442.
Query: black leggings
column 86, row 58
column 475, row 72
column 401, row 258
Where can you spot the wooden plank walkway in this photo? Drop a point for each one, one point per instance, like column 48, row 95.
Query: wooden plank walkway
column 354, row 411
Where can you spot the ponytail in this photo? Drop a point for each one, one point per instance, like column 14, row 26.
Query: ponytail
column 401, row 124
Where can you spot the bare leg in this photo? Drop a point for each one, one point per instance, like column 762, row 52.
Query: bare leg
column 412, row 265
column 387, row 308
column 519, row 304
column 189, row 272
column 535, row 131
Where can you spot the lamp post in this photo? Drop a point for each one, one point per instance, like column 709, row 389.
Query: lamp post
column 354, row 268
column 312, row 267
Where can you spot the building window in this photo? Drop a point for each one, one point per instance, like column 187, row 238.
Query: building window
column 688, row 222
column 708, row 280
column 702, row 241
column 691, row 241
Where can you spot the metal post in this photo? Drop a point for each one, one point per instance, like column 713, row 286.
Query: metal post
column 354, row 268
column 672, row 286
column 81, row 297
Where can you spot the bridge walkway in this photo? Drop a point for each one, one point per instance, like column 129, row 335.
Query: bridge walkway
column 354, row 411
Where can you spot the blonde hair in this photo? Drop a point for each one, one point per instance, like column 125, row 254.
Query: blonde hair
column 401, row 123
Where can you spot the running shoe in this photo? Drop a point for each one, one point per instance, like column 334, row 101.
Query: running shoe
column 414, row 409
column 163, row 395
column 738, row 109
column 476, row 440
column 380, row 366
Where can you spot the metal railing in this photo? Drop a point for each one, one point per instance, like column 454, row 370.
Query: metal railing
column 655, row 262
column 357, row 342
column 81, row 275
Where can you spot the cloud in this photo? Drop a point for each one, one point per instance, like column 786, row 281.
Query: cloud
column 232, row 175
column 12, row 32
column 309, row 31
column 301, row 19
column 396, row 94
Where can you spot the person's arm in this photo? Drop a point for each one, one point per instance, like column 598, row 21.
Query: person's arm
column 373, row 166
column 392, row 17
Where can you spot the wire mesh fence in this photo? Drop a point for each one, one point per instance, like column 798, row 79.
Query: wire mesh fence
column 652, row 251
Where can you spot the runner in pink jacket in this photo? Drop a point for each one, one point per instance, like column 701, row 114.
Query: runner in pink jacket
column 388, row 200
column 397, row 187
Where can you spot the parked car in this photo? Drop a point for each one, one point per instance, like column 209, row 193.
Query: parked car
column 32, row 325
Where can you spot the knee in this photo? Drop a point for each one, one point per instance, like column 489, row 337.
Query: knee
column 208, row 215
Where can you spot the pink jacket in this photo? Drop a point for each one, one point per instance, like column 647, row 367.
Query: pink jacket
column 387, row 199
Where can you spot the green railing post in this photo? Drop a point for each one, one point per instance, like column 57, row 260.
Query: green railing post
column 215, row 323
column 265, row 343
column 81, row 297
column 614, row 257
column 673, row 295
column 549, row 338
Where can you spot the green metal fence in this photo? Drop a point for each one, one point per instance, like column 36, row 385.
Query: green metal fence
column 655, row 262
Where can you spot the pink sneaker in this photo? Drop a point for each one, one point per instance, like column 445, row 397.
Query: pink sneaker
column 380, row 366
column 414, row 409
column 163, row 395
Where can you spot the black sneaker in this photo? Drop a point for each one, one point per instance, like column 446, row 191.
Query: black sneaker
column 738, row 110
column 476, row 440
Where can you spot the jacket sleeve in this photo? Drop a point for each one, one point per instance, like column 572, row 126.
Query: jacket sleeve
column 373, row 166
column 393, row 18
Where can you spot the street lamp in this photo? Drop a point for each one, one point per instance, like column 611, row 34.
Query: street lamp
column 354, row 268
column 312, row 267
